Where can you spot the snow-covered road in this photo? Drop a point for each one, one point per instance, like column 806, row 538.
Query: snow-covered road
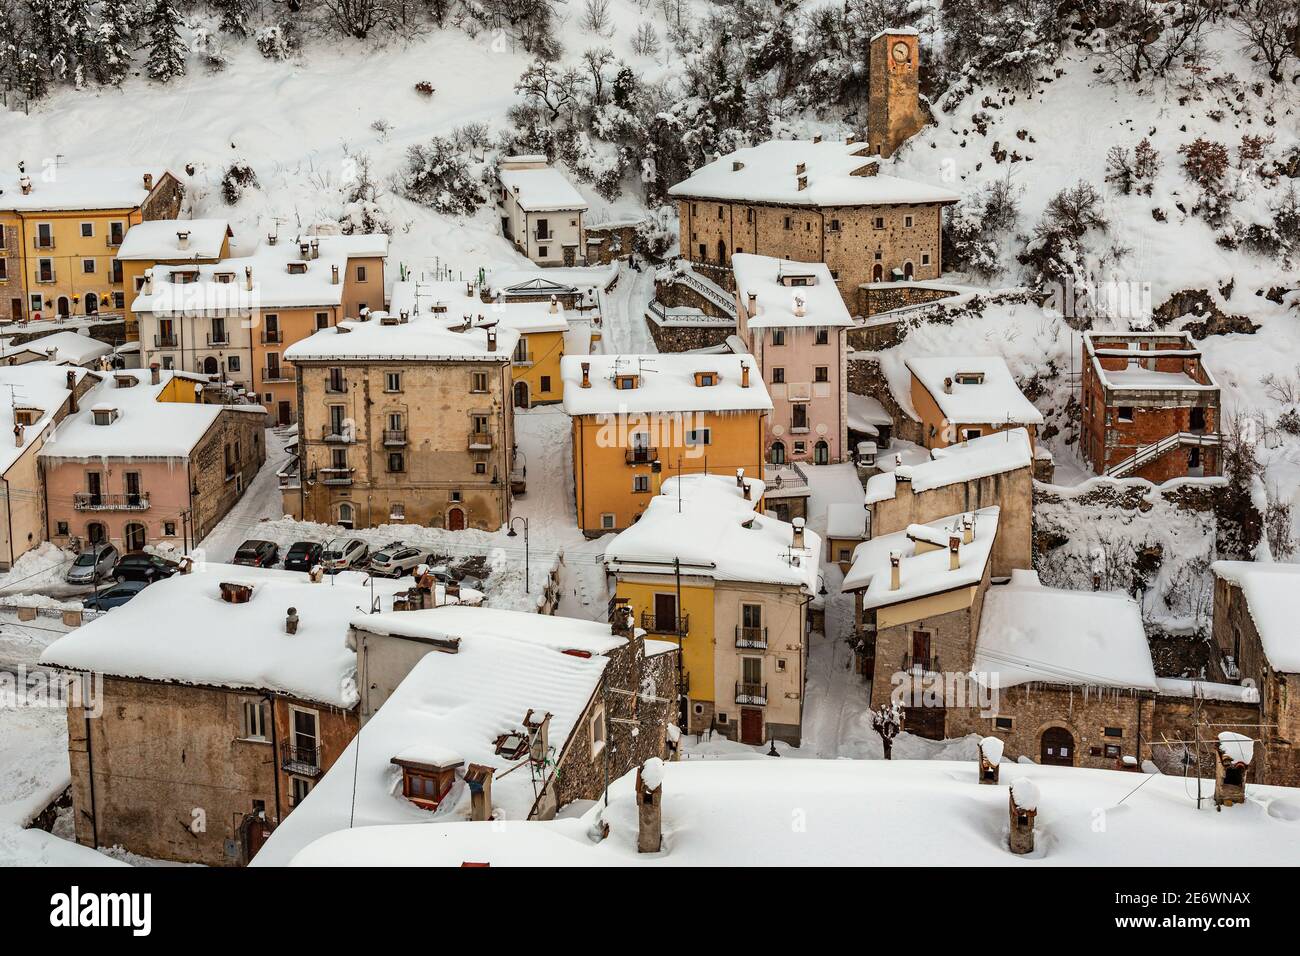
column 623, row 313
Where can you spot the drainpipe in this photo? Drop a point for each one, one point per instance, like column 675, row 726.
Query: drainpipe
column 9, row 517
column 275, row 756
column 90, row 776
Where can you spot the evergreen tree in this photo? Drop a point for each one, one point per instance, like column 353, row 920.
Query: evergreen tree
column 166, row 48
column 111, row 53
column 8, row 44
column 80, row 38
column 234, row 16
column 50, row 40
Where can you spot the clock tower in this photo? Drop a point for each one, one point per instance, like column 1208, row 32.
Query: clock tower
column 893, row 103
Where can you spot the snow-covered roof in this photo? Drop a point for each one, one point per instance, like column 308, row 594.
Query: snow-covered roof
column 845, row 520
column 63, row 348
column 69, row 186
column 921, row 574
column 424, row 339
column 866, row 414
column 1207, row 690
column 36, row 385
column 1029, row 632
column 548, row 280
column 1273, row 597
column 714, row 532
column 779, row 305
column 975, row 458
column 452, row 301
column 460, row 702
column 665, row 383
column 544, row 630
column 1134, row 375
column 160, row 239
column 283, row 277
column 835, row 173
column 923, row 812
column 145, row 425
column 994, row 400
column 220, row 644
column 542, row 190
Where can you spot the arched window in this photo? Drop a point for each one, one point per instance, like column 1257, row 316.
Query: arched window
column 722, row 253
column 821, row 453
column 908, row 269
column 778, row 453
column 95, row 533
column 210, row 366
column 346, row 515
column 92, row 303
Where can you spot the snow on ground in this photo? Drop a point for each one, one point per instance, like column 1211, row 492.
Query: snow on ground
column 626, row 331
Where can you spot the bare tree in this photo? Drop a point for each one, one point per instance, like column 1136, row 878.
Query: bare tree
column 357, row 18
column 887, row 720
column 596, row 59
column 646, row 40
column 1271, row 31
column 596, row 19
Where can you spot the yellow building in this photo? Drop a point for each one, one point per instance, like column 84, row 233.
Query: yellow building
column 60, row 231
column 706, row 568
column 640, row 419
column 535, row 361
column 167, row 242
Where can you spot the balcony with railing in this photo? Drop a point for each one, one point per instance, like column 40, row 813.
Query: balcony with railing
column 336, row 476
column 164, row 340
column 114, row 239
column 46, row 277
column 279, row 373
column 335, row 386
column 394, row 437
column 665, row 623
column 926, row 665
column 480, row 441
column 339, row 433
column 89, row 501
column 747, row 693
column 638, row 455
column 272, row 336
column 754, row 638
column 216, row 339
column 303, row 761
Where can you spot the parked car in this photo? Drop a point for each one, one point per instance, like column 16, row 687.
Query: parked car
column 344, row 553
column 93, row 564
column 302, row 556
column 396, row 559
column 256, row 553
column 115, row 596
column 143, row 566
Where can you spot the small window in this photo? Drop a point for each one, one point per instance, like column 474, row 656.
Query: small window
column 392, row 381
column 778, row 336
column 545, row 385
column 822, row 373
column 87, row 230
column 879, row 222
column 543, row 252
column 925, row 258
column 396, row 462
column 397, row 511
column 1114, row 731
column 1112, row 750
column 454, row 497
column 789, row 224
column 361, row 273
column 823, row 337
column 169, row 529
column 233, row 363
column 698, row 436
column 1002, row 723
column 299, row 788
column 480, row 468
column 907, row 221
column 607, row 522
column 597, row 730
column 1125, row 413
column 641, row 484
column 254, row 720
column 61, row 527
column 835, row 225
column 88, row 267
column 778, row 376
column 478, row 382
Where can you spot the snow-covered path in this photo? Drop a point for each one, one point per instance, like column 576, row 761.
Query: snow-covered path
column 623, row 313
column 261, row 501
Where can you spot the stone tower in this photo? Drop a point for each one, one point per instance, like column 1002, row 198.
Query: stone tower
column 893, row 102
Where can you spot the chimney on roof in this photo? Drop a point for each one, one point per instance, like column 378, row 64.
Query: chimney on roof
column 737, row 165
column 539, row 730
column 233, row 593
column 186, row 564
column 803, row 183
column 800, row 169
column 555, row 305
column 148, row 182
column 272, row 238
column 25, row 184
column 291, row 621
column 19, row 428
column 990, row 757
column 850, row 140
column 740, row 477
column 620, row 622
column 155, row 376
column 492, row 338
column 967, row 529
column 315, row 248
column 182, row 239
column 1022, row 803
column 799, row 308
column 947, row 386
column 753, row 302
column 744, row 375
column 797, row 538
column 72, row 392
column 1230, row 770
column 586, row 375
column 817, row 138
column 954, row 551
column 248, row 278
column 895, row 560
column 479, row 780
column 649, row 803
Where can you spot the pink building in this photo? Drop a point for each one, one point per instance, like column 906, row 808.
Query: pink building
column 791, row 318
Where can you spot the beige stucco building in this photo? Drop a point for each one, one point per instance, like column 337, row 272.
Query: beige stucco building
column 541, row 212
column 404, row 422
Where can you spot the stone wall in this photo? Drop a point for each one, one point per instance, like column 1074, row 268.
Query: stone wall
column 677, row 338
column 216, row 492
column 864, row 377
column 610, row 242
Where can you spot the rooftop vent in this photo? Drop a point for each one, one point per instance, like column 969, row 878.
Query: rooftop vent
column 182, row 240
column 233, row 593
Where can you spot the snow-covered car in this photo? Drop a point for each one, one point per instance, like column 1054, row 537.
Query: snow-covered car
column 344, row 553
column 94, row 563
column 397, row 559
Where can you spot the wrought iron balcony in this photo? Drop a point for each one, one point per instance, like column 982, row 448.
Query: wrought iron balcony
column 480, row 441
column 336, row 476
column 164, row 340
column 927, row 665
column 272, row 336
column 751, row 637
column 751, row 693
column 665, row 623
column 218, row 338
column 303, row 761
column 341, row 434
column 88, row 501
column 638, row 455
column 395, row 437
column 280, row 373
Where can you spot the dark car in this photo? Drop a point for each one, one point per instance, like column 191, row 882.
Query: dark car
column 115, row 596
column 257, row 554
column 302, row 556
column 142, row 566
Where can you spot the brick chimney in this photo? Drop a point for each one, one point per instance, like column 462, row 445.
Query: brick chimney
column 967, row 529
column 586, row 375
column 148, row 182
column 737, row 165
column 19, row 428
column 72, row 392
column 649, row 805
column 555, row 305
column 248, row 278
column 895, row 561
column 155, row 373
column 620, row 624
column 291, row 621
column 25, row 184
column 797, row 538
column 334, row 275
column 947, row 386
column 182, row 240
column 233, row 593
column 744, row 375
column 491, row 338
column 990, row 758
column 799, row 306
column 539, row 728
column 479, row 780
column 954, row 551
column 1022, row 803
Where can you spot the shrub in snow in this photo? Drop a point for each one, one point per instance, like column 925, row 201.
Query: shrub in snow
column 239, row 176
column 276, row 42
column 1205, row 163
column 977, row 226
column 1010, row 44
column 1270, row 30
column 234, row 16
column 437, row 175
column 1133, row 172
column 206, row 45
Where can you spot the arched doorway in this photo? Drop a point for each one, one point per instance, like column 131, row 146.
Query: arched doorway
column 346, row 515
column 133, row 536
column 778, row 453
column 65, row 308
column 722, row 253
column 210, row 366
column 877, row 272
column 95, row 533
column 908, row 270
column 1057, row 747
column 456, row 519
column 821, row 453
column 521, row 394
column 92, row 304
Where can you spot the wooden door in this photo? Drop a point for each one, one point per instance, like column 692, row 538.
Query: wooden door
column 1057, row 747
column 927, row 722
column 751, row 725
column 456, row 520
column 921, row 649
column 666, row 613
column 286, row 414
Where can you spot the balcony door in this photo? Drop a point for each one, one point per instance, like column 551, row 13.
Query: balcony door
column 306, row 738
column 799, row 416
column 95, row 488
column 666, row 613
column 921, row 649
column 133, row 488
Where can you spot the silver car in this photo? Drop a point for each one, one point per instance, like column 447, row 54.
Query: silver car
column 397, row 559
column 344, row 553
column 93, row 564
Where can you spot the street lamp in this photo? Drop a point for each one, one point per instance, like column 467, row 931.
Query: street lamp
column 514, row 534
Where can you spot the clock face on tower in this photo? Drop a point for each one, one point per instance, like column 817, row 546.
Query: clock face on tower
column 901, row 52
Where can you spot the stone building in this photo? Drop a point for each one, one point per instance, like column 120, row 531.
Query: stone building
column 1150, row 407
column 705, row 559
column 541, row 212
column 141, row 460
column 792, row 320
column 894, row 90
column 503, row 715
column 226, row 694
column 405, row 420
column 812, row 201
column 60, row 230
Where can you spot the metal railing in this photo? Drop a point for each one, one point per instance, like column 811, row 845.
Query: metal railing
column 304, row 761
column 279, row 373
column 162, row 341
column 88, row 501
column 272, row 336
column 665, row 623
column 747, row 693
column 480, row 440
column 638, row 455
column 394, row 436
column 218, row 338
column 751, row 637
column 337, row 433
column 926, row 664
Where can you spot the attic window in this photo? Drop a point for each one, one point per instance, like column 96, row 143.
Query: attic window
column 297, row 268
column 123, row 381
column 225, row 278
column 625, row 382
column 512, row 746
column 184, row 276
column 969, row 378
column 104, row 415
column 426, row 782
column 704, row 379
column 27, row 416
